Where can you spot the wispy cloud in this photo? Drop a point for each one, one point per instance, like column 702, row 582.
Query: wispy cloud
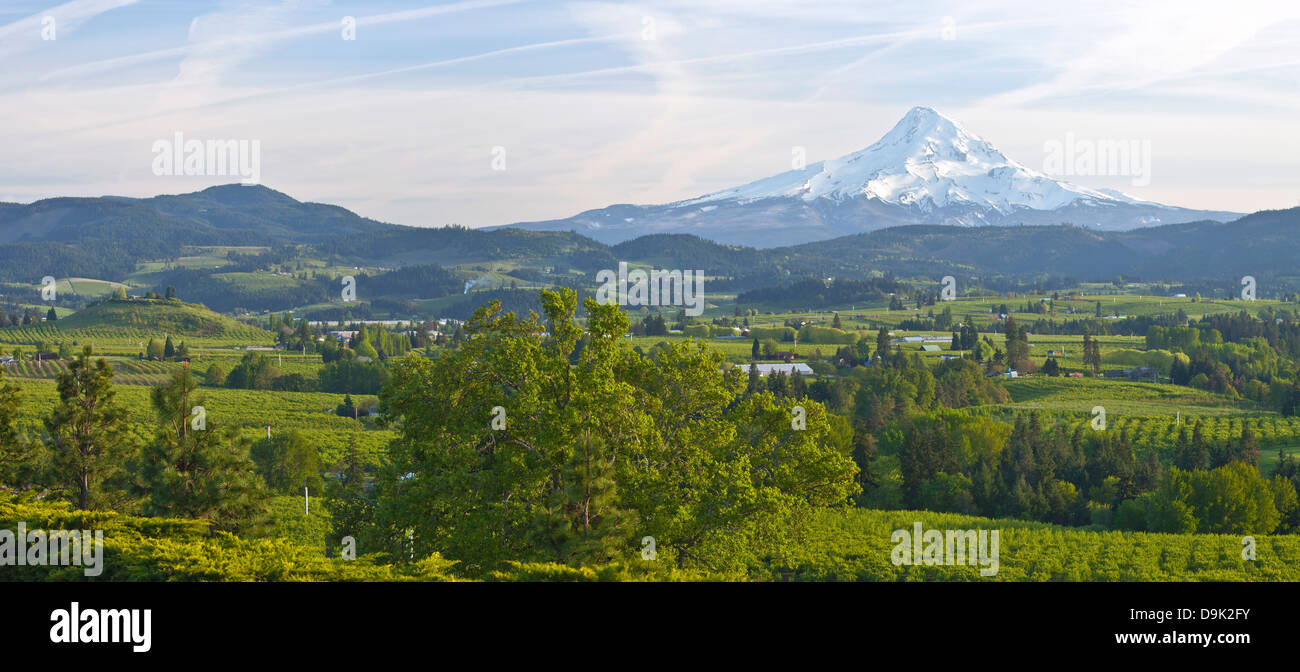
column 30, row 33
column 401, row 123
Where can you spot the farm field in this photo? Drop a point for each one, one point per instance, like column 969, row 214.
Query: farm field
column 309, row 413
column 980, row 309
column 855, row 545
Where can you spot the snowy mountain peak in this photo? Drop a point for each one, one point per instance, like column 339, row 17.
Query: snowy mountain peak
column 926, row 161
column 928, row 169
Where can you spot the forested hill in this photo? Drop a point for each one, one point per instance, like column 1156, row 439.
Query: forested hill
column 108, row 237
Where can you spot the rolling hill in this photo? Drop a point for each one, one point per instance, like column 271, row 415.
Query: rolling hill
column 159, row 315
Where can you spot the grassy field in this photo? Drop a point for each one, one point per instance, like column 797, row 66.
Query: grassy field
column 310, row 413
column 856, row 545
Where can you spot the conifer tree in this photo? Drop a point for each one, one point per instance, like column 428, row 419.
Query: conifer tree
column 351, row 509
column 193, row 469
column 87, row 432
column 584, row 523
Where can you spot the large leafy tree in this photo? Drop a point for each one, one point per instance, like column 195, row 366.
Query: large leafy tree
column 87, row 432
column 288, row 463
column 600, row 447
column 196, row 470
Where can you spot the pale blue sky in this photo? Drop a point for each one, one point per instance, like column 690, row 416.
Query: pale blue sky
column 633, row 102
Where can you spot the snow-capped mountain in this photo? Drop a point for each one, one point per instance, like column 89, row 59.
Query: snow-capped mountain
column 928, row 169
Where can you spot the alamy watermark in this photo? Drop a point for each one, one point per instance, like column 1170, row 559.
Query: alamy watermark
column 178, row 156
column 1076, row 156
column 75, row 625
column 946, row 547
column 43, row 548
column 656, row 288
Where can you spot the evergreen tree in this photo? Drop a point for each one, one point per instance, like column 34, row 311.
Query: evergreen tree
column 584, row 524
column 882, row 344
column 169, row 350
column 753, row 352
column 1199, row 459
column 197, row 470
column 1183, row 450
column 51, row 315
column 351, row 509
column 836, row 322
column 87, row 430
column 755, row 382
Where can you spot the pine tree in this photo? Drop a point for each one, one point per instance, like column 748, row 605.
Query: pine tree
column 1247, row 450
column 351, row 509
column 197, row 471
column 798, row 386
column 753, row 352
column 1148, row 477
column 87, row 431
column 836, row 322
column 51, row 315
column 1200, row 452
column 1183, row 450
column 755, row 383
column 583, row 524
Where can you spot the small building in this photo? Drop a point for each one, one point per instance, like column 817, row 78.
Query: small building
column 930, row 348
column 46, row 356
column 785, row 356
column 1055, row 353
column 1143, row 372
